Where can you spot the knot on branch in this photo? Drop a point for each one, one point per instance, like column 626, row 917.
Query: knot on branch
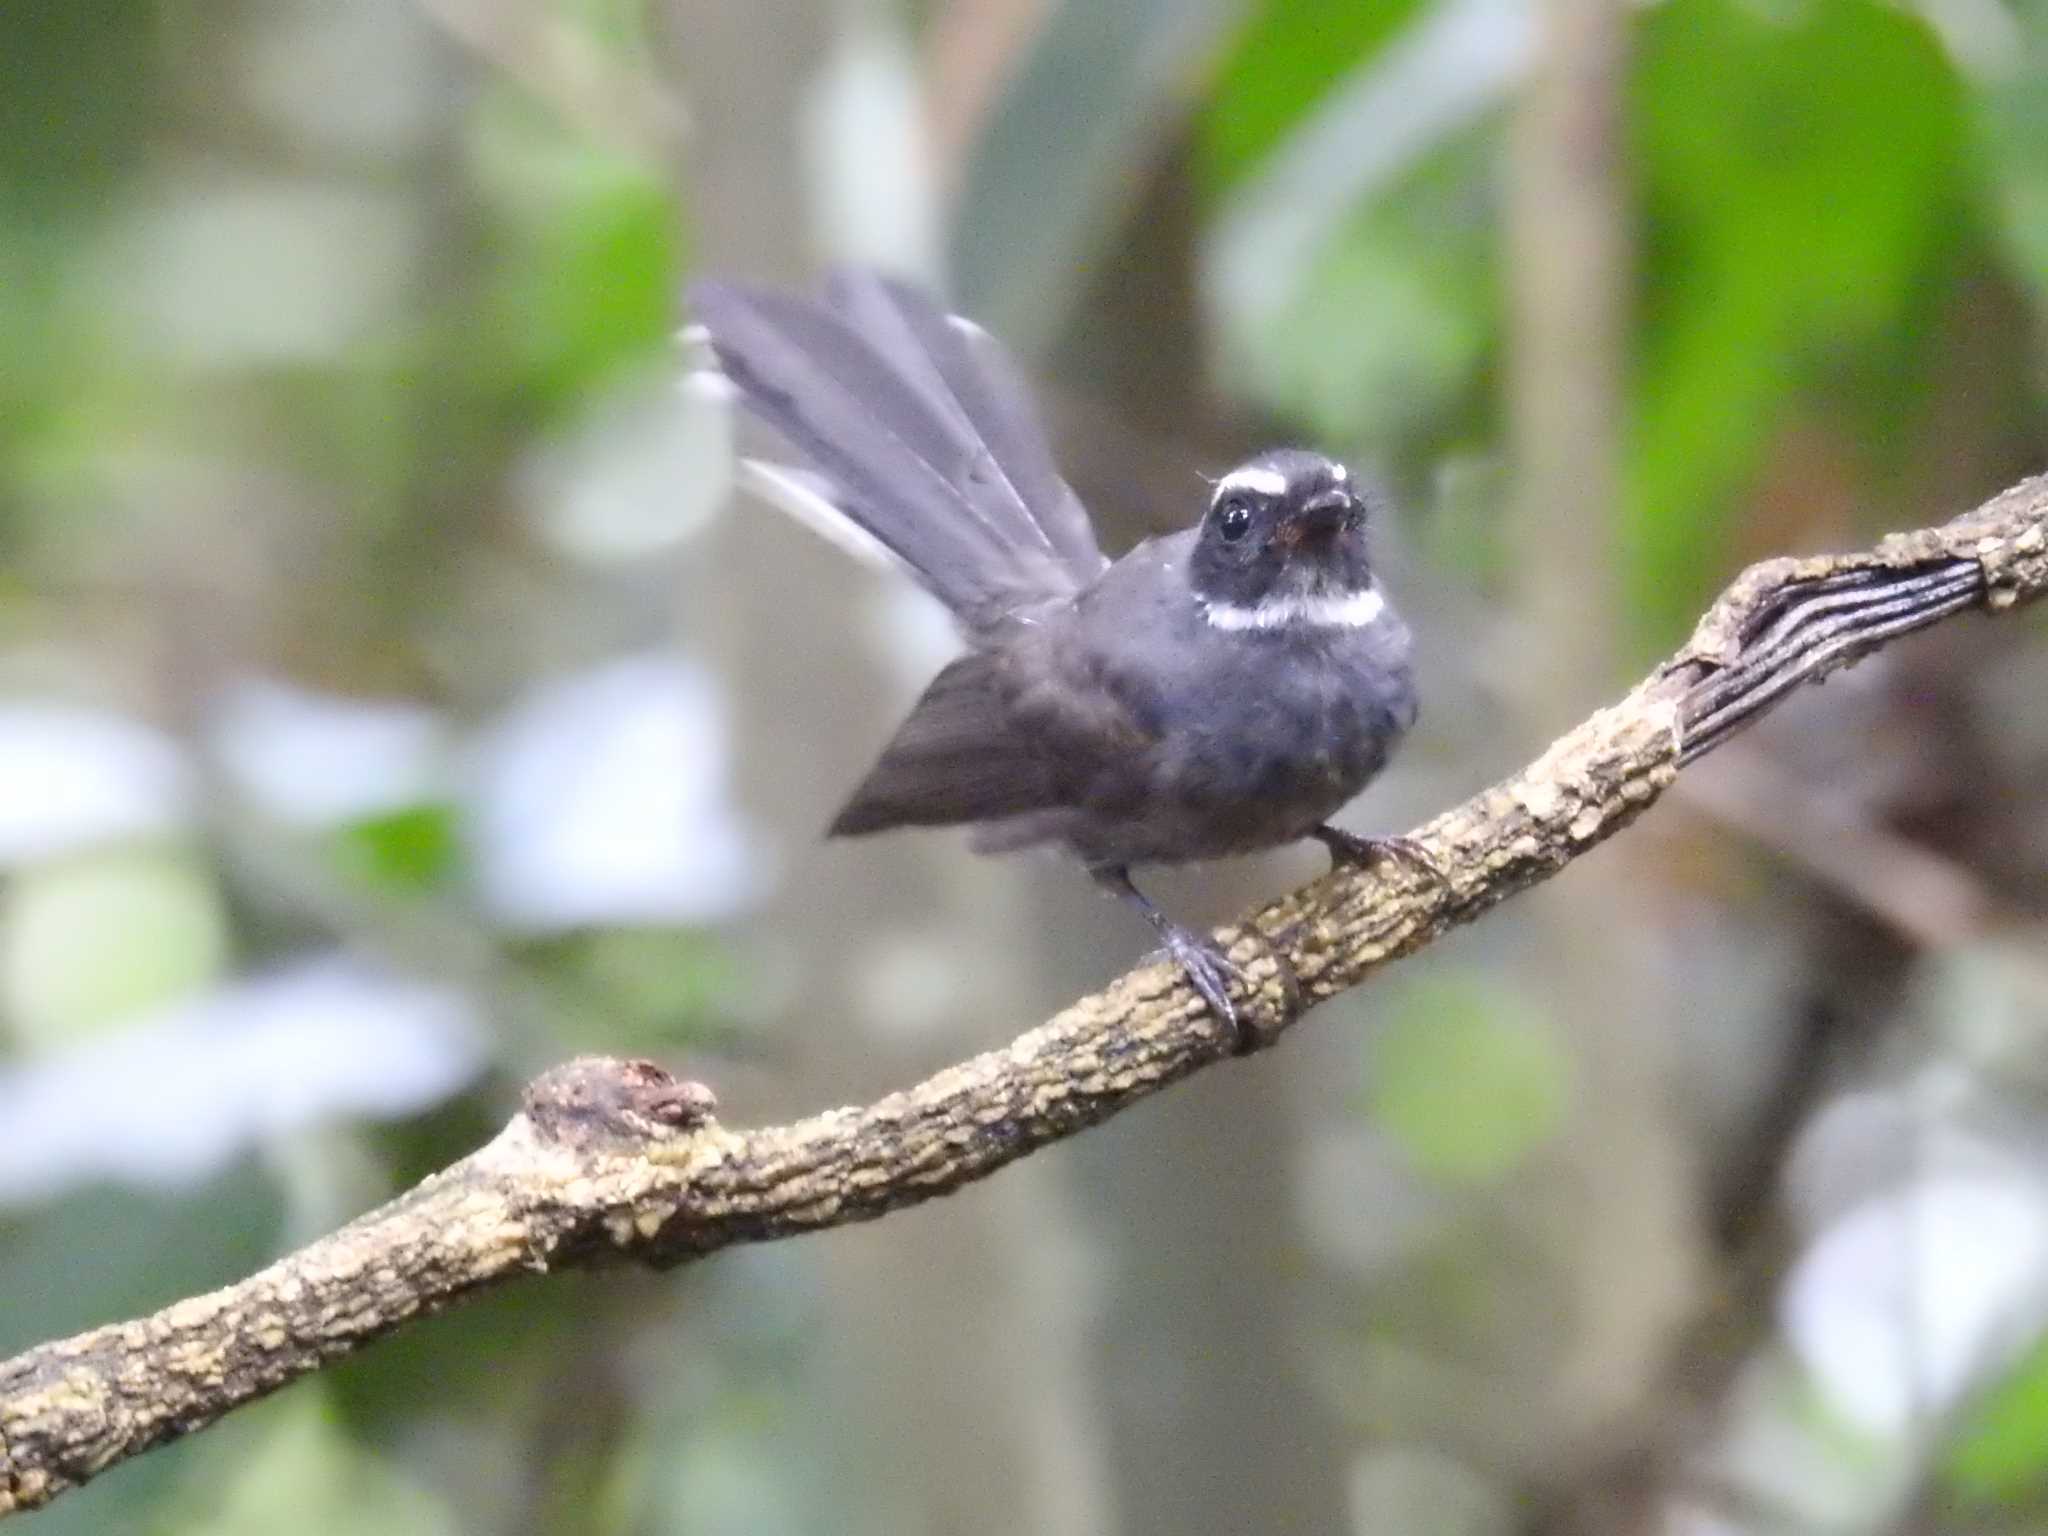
column 606, row 1103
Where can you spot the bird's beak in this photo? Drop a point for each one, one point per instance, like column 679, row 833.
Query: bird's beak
column 1327, row 508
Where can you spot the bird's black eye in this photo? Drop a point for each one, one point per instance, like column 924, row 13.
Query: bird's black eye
column 1234, row 520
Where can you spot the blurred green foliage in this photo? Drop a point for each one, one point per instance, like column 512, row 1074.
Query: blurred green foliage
column 1465, row 1080
column 1284, row 59
column 293, row 1468
column 2000, row 1455
column 103, row 1254
column 65, row 973
column 581, row 259
column 1386, row 340
column 415, row 848
column 1815, row 193
column 1804, row 198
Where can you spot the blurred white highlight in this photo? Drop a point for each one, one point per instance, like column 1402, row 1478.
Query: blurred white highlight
column 74, row 778
column 1922, row 1295
column 321, row 759
column 603, row 798
column 172, row 1101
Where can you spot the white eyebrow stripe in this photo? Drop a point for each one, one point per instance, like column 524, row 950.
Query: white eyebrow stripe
column 1267, row 482
column 1339, row 473
column 1351, row 610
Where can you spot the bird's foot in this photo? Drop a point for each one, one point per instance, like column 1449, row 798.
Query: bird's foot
column 1202, row 960
column 1348, row 848
column 1210, row 971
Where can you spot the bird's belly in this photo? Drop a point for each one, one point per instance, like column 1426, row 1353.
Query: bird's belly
column 1252, row 777
column 1247, row 794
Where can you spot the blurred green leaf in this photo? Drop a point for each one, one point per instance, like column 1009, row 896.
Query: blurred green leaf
column 104, row 1254
column 2012, row 127
column 727, row 1482
column 460, row 1363
column 78, row 93
column 2000, row 1455
column 1284, row 57
column 530, row 1379
column 408, row 850
column 641, row 988
column 728, row 1439
column 1056, row 160
column 619, row 26
column 586, row 253
column 1800, row 173
column 1381, row 347
column 1465, row 1079
column 95, row 940
column 147, row 1250
column 293, row 1466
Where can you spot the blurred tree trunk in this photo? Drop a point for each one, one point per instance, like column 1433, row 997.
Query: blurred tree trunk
column 1213, row 1427
column 954, row 1396
column 1618, row 1218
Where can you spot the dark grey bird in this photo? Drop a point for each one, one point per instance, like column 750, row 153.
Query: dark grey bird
column 1215, row 691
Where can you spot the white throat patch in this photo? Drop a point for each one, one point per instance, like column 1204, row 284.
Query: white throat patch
column 1349, row 610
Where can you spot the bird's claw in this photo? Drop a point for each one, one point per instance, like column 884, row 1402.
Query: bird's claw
column 1203, row 962
column 1348, row 848
column 1209, row 971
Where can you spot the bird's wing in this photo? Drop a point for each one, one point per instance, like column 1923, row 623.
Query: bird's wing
column 1035, row 724
column 957, row 758
column 921, row 441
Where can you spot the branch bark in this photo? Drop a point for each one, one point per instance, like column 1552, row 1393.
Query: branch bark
column 614, row 1160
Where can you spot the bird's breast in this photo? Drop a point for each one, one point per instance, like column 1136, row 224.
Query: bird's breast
column 1224, row 741
column 1284, row 736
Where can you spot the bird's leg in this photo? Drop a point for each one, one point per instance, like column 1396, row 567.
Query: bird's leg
column 1364, row 852
column 1201, row 960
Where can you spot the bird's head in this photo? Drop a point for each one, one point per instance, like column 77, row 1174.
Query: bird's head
column 1284, row 547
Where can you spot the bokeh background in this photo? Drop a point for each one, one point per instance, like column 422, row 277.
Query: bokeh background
column 394, row 699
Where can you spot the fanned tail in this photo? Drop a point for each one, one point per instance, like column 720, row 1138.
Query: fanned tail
column 921, row 432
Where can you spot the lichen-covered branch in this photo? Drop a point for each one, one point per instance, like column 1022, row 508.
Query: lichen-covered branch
column 618, row 1160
